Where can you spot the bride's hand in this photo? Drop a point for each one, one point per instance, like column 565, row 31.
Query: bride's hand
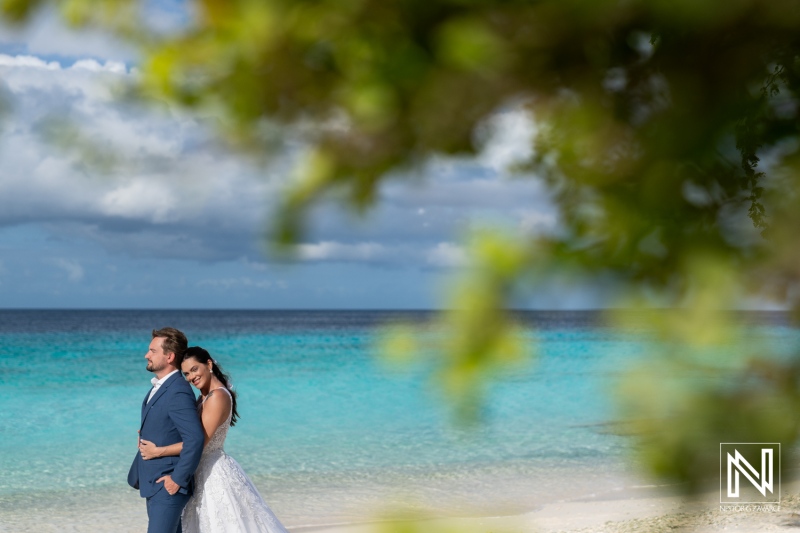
column 148, row 450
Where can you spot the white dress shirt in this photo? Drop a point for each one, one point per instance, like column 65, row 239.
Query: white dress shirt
column 158, row 384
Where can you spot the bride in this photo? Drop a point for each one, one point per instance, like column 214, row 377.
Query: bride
column 224, row 500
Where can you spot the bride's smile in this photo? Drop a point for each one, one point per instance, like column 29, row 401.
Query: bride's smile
column 198, row 374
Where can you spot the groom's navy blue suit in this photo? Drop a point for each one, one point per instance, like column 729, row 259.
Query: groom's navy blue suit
column 169, row 417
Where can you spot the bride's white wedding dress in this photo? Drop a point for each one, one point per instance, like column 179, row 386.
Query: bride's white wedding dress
column 225, row 500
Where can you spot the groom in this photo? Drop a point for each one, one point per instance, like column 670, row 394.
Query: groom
column 168, row 416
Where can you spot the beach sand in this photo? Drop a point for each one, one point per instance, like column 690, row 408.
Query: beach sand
column 636, row 510
column 655, row 514
column 642, row 514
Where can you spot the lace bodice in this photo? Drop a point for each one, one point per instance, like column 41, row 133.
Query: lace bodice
column 218, row 438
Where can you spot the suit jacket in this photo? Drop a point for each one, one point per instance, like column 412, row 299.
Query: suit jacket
column 169, row 417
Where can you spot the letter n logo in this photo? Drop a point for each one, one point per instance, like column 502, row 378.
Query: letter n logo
column 749, row 472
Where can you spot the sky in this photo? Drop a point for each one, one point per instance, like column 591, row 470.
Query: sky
column 177, row 221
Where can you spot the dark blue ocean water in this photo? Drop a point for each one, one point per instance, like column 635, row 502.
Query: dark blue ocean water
column 318, row 407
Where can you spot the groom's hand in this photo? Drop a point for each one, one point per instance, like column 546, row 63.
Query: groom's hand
column 170, row 485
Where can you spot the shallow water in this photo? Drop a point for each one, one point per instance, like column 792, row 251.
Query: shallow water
column 327, row 431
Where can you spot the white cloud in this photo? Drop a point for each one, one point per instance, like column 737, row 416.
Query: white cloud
column 171, row 192
column 446, row 254
column 165, row 170
column 509, row 139
column 73, row 268
column 365, row 251
column 440, row 255
column 140, row 199
column 537, row 221
column 240, row 282
column 91, row 65
column 47, row 35
column 28, row 61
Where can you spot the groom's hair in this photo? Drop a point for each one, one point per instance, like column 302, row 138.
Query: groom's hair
column 174, row 342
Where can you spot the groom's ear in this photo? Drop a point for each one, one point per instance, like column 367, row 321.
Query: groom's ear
column 171, row 358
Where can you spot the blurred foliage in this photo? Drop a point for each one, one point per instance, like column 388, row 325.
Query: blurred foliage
column 89, row 153
column 683, row 410
column 706, row 383
column 477, row 339
column 653, row 118
column 414, row 523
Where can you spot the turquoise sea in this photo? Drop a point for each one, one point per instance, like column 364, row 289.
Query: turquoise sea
column 328, row 431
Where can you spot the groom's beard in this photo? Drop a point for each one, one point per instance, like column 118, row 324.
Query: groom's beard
column 151, row 367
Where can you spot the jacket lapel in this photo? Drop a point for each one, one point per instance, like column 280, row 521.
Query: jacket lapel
column 158, row 394
column 144, row 402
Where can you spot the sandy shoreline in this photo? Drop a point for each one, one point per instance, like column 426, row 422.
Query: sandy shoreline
column 642, row 510
column 653, row 513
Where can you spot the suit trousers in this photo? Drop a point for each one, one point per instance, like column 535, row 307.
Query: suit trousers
column 164, row 511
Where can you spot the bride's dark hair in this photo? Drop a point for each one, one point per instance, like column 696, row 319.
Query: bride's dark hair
column 203, row 357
